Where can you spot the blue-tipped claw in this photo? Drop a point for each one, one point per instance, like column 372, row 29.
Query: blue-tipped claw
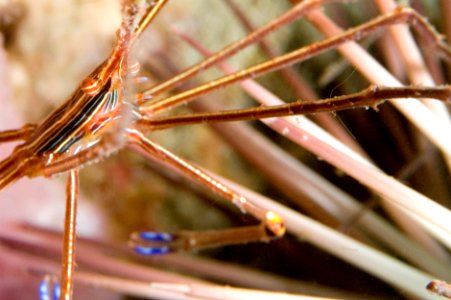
column 56, row 291
column 45, row 289
column 156, row 236
column 152, row 250
column 152, row 243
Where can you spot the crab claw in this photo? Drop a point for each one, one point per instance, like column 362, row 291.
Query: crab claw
column 49, row 288
column 151, row 243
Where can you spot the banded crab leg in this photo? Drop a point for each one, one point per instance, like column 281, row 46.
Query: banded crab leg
column 68, row 258
column 370, row 97
column 17, row 134
column 149, row 16
column 149, row 243
column 9, row 171
column 49, row 288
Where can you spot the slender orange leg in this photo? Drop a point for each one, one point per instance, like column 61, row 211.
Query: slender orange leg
column 10, row 167
column 153, row 243
column 370, row 97
column 49, row 288
column 17, row 134
column 151, row 13
column 68, row 258
column 271, row 224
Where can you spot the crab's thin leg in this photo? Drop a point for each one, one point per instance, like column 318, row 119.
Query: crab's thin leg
column 271, row 223
column 11, row 170
column 151, row 13
column 68, row 258
column 49, row 287
column 154, row 243
column 401, row 15
column 370, row 97
column 17, row 134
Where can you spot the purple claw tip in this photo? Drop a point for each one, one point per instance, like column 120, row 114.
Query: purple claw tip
column 152, row 251
column 56, row 291
column 44, row 290
column 155, row 236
